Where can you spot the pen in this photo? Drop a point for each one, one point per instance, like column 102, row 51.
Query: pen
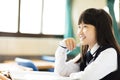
column 63, row 47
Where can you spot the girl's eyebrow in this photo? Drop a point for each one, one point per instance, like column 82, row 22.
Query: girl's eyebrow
column 79, row 25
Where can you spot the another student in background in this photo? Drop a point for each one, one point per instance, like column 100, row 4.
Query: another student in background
column 96, row 37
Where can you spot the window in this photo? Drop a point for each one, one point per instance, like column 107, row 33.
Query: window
column 8, row 15
column 54, row 16
column 116, row 9
column 32, row 17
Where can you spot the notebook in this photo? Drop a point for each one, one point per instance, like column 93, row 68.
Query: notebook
column 36, row 75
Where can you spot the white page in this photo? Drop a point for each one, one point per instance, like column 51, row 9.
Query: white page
column 36, row 75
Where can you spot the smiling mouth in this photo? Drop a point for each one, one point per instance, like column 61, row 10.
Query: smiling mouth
column 82, row 38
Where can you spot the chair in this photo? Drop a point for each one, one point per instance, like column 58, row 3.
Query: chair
column 48, row 58
column 26, row 63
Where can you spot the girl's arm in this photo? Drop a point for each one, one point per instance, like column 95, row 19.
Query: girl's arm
column 62, row 67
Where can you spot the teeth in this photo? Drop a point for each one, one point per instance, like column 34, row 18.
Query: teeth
column 82, row 37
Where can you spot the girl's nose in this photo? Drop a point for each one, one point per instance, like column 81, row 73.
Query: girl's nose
column 79, row 32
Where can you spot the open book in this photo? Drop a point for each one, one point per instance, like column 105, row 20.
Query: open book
column 36, row 75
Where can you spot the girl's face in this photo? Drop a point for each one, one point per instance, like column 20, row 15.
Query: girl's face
column 87, row 34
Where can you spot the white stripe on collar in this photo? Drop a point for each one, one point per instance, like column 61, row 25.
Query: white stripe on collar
column 94, row 48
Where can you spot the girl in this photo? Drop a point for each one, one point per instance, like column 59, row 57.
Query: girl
column 96, row 36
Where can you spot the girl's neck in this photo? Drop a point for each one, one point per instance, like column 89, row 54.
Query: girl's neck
column 91, row 46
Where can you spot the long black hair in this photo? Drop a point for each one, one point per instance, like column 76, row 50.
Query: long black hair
column 103, row 25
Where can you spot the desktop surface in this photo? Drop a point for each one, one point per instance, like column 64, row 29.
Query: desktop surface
column 36, row 75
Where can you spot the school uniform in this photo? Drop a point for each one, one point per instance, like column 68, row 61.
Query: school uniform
column 97, row 69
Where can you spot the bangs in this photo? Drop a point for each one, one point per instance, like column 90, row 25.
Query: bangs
column 87, row 17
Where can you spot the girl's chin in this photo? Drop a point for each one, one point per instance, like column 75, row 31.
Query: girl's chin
column 83, row 43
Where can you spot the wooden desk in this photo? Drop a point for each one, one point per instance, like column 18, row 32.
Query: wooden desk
column 41, row 65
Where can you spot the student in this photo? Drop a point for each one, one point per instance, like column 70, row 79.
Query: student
column 96, row 35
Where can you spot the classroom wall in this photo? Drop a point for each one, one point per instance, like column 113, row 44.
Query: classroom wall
column 27, row 46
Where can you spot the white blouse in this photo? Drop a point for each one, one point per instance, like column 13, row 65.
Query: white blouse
column 104, row 64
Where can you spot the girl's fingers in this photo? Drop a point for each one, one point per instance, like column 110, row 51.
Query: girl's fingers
column 74, row 44
column 67, row 44
column 2, row 77
column 70, row 43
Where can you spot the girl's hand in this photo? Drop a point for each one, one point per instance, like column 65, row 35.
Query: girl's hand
column 2, row 77
column 70, row 43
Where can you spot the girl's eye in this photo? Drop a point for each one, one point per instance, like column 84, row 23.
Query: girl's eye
column 84, row 26
column 79, row 26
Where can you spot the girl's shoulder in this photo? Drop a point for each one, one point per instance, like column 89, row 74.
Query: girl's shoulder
column 106, row 50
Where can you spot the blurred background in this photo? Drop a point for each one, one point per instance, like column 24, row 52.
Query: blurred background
column 33, row 28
